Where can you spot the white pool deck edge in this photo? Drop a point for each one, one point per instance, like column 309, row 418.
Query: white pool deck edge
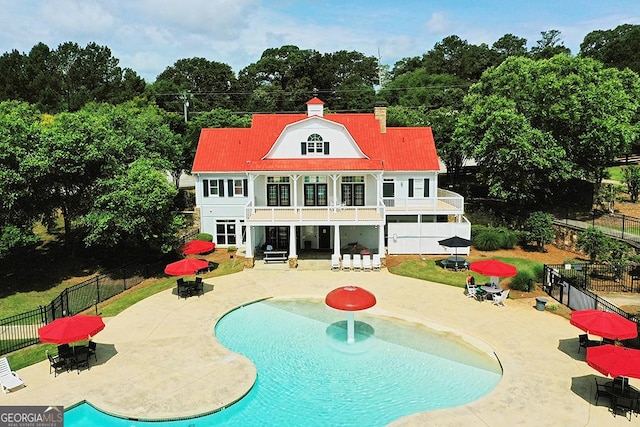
column 160, row 359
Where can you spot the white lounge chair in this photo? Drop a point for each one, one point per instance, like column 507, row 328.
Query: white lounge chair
column 357, row 262
column 8, row 378
column 471, row 291
column 335, row 262
column 366, row 262
column 375, row 262
column 346, row 262
column 500, row 300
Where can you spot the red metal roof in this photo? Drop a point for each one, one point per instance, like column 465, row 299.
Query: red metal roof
column 242, row 149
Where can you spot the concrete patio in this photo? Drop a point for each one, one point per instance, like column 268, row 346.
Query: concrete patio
column 154, row 355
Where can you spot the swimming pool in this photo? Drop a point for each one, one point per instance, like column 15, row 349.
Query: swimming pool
column 309, row 376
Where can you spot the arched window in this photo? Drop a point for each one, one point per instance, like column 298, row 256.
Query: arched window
column 315, row 144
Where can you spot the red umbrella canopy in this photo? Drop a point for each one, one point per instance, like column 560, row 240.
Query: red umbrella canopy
column 614, row 361
column 185, row 267
column 493, row 267
column 198, row 247
column 604, row 324
column 70, row 329
column 350, row 298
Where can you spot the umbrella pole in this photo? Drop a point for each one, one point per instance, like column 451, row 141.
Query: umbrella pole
column 351, row 335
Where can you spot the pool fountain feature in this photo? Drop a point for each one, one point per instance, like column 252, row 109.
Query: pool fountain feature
column 350, row 299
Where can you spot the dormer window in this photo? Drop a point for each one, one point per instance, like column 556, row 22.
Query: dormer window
column 314, row 145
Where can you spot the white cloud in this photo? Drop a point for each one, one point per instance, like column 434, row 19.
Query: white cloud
column 437, row 23
column 76, row 16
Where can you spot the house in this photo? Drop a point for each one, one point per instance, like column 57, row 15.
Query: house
column 325, row 182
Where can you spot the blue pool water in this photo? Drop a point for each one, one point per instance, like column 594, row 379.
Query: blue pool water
column 309, row 376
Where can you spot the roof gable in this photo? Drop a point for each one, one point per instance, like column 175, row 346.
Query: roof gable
column 314, row 129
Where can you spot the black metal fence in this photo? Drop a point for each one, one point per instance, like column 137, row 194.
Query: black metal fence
column 572, row 287
column 600, row 277
column 21, row 330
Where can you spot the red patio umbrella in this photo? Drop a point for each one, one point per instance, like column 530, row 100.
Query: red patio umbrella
column 604, row 324
column 70, row 329
column 185, row 267
column 614, row 360
column 350, row 299
column 493, row 268
column 198, row 247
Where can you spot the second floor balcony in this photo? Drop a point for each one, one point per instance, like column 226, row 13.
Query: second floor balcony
column 447, row 203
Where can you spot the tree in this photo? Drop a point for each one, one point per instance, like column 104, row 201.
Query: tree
column 134, row 209
column 532, row 123
column 594, row 243
column 619, row 48
column 631, row 177
column 419, row 88
column 443, row 122
column 539, row 228
column 20, row 197
column 549, row 46
column 202, row 83
column 510, row 45
column 457, row 57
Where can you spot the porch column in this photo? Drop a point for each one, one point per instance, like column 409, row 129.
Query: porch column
column 292, row 242
column 381, row 248
column 249, row 242
column 336, row 240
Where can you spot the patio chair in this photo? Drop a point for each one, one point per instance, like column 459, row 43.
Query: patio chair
column 472, row 291
column 357, row 262
column 346, row 262
column 56, row 365
column 81, row 354
column 366, row 262
column 585, row 342
column 499, row 300
column 198, row 287
column 602, row 391
column 9, row 379
column 335, row 262
column 91, row 347
column 375, row 262
column 183, row 289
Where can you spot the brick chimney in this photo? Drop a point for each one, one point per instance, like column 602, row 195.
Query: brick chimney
column 380, row 113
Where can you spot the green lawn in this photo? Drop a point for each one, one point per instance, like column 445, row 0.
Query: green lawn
column 432, row 271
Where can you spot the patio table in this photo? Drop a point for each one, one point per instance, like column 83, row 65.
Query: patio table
column 455, row 262
column 491, row 290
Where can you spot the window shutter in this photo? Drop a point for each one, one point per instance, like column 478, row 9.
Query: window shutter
column 221, row 187
column 205, row 187
column 326, row 147
column 426, row 187
column 230, row 187
column 303, row 148
column 245, row 187
column 410, row 187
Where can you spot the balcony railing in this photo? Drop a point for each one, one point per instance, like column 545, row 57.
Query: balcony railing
column 303, row 214
column 447, row 203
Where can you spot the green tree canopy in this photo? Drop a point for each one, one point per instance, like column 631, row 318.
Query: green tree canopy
column 619, row 48
column 531, row 123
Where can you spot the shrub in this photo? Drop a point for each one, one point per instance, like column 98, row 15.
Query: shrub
column 509, row 238
column 538, row 273
column 231, row 248
column 523, row 281
column 477, row 229
column 488, row 240
column 204, row 236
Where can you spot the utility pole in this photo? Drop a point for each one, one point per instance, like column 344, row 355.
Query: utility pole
column 185, row 100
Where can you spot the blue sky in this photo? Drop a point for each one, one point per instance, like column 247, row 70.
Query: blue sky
column 150, row 35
